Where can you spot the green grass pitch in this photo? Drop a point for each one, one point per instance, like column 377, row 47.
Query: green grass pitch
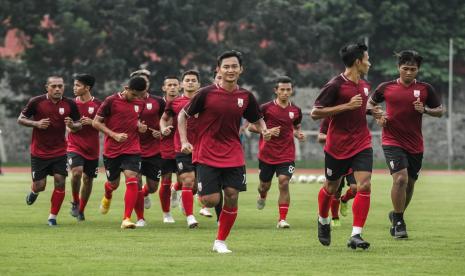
column 435, row 220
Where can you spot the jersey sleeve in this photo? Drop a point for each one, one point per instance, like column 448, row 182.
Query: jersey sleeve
column 105, row 108
column 324, row 125
column 30, row 108
column 298, row 120
column 378, row 95
column 197, row 104
column 74, row 113
column 169, row 108
column 162, row 105
column 432, row 101
column 252, row 111
column 328, row 95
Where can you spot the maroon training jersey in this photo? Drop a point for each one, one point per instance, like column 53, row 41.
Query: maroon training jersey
column 167, row 143
column 219, row 119
column 151, row 114
column 121, row 116
column 85, row 142
column 50, row 142
column 403, row 128
column 324, row 125
column 279, row 149
column 348, row 132
column 173, row 108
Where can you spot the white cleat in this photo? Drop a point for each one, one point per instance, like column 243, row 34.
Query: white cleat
column 167, row 218
column 205, row 212
column 221, row 247
column 141, row 223
column 283, row 224
column 261, row 203
column 174, row 199
column 192, row 222
column 147, row 202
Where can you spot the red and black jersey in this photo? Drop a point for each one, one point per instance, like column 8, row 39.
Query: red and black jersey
column 85, row 142
column 151, row 114
column 50, row 142
column 219, row 119
column 173, row 109
column 121, row 116
column 279, row 149
column 403, row 128
column 348, row 132
column 324, row 125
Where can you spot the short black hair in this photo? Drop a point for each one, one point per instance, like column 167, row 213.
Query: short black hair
column 141, row 72
column 137, row 83
column 409, row 57
column 170, row 77
column 191, row 72
column 351, row 52
column 282, row 79
column 228, row 54
column 85, row 79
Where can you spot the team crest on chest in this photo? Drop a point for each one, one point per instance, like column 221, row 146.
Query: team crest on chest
column 149, row 106
column 416, row 93
column 365, row 90
column 136, row 108
column 91, row 109
column 61, row 110
column 291, row 115
column 240, row 102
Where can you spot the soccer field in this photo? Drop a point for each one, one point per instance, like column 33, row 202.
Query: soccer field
column 435, row 221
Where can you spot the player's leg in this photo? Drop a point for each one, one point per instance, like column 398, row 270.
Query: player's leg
column 39, row 171
column 284, row 173
column 113, row 171
column 335, row 203
column 349, row 194
column 130, row 164
column 60, row 173
column 186, row 172
column 414, row 167
column 90, row 172
column 76, row 165
column 265, row 176
column 362, row 165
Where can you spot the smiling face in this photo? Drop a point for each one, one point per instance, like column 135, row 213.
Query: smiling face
column 230, row 69
column 55, row 88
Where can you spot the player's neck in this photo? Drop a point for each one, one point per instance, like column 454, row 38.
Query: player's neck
column 406, row 83
column 228, row 86
column 352, row 74
column 85, row 97
column 189, row 94
column 282, row 103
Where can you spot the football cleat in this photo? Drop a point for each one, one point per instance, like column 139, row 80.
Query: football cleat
column 356, row 241
column 192, row 222
column 220, row 247
column 147, row 202
column 343, row 209
column 52, row 222
column 105, row 205
column 167, row 218
column 81, row 217
column 31, row 198
column 174, row 198
column 261, row 203
column 127, row 224
column 141, row 223
column 74, row 209
column 205, row 212
column 324, row 233
column 283, row 224
column 399, row 230
column 335, row 222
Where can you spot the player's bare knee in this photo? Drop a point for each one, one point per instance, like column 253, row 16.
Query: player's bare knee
column 400, row 179
column 210, row 200
column 364, row 186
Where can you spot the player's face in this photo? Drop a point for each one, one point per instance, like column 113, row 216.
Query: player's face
column 132, row 94
column 230, row 69
column 283, row 91
column 190, row 83
column 171, row 87
column 363, row 65
column 408, row 72
column 55, row 88
column 80, row 89
column 218, row 78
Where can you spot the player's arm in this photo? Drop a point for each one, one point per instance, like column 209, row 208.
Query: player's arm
column 186, row 147
column 28, row 122
column 261, row 128
column 99, row 124
column 434, row 112
column 166, row 124
column 72, row 125
column 321, row 138
column 323, row 112
column 298, row 133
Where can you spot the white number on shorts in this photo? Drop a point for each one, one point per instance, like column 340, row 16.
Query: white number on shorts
column 291, row 169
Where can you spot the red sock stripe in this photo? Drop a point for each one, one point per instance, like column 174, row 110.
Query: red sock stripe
column 283, row 209
column 360, row 208
column 187, row 200
column 130, row 197
column 226, row 222
column 324, row 202
column 165, row 196
column 58, row 196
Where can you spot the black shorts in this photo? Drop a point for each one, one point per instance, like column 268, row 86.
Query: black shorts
column 168, row 166
column 42, row 167
column 336, row 168
column 398, row 159
column 267, row 170
column 151, row 167
column 184, row 163
column 114, row 166
column 90, row 167
column 211, row 180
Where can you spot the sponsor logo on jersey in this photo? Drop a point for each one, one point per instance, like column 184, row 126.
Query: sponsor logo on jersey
column 240, row 102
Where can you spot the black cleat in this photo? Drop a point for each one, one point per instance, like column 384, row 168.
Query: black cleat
column 31, row 198
column 74, row 209
column 399, row 231
column 52, row 222
column 324, row 233
column 391, row 219
column 81, row 217
column 357, row 242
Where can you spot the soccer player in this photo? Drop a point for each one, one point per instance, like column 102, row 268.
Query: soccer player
column 407, row 100
column 118, row 119
column 168, row 194
column 83, row 146
column 276, row 156
column 218, row 151
column 190, row 83
column 149, row 137
column 348, row 142
column 337, row 200
column 49, row 115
